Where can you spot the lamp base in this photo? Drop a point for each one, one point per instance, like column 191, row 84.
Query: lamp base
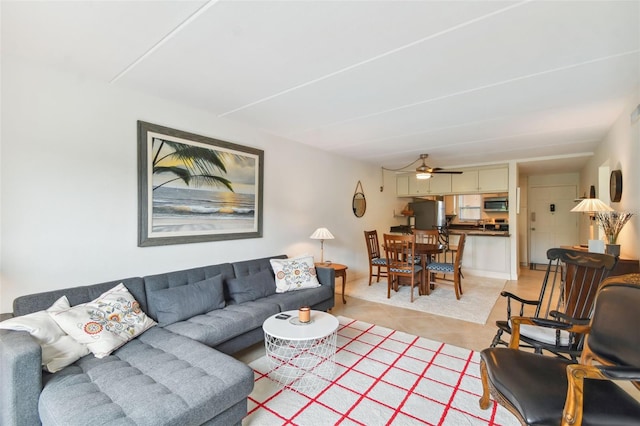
column 596, row 246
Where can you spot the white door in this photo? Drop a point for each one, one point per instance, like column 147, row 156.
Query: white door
column 551, row 222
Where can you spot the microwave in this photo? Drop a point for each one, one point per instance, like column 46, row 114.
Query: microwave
column 496, row 204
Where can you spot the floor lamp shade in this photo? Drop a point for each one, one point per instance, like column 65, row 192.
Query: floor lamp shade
column 322, row 234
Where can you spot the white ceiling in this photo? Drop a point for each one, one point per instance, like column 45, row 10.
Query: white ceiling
column 468, row 82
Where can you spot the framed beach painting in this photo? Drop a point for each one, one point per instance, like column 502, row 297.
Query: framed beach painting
column 193, row 188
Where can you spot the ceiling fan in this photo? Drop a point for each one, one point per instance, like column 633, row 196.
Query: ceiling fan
column 425, row 172
column 422, row 172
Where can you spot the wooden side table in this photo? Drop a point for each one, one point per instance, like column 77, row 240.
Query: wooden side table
column 341, row 271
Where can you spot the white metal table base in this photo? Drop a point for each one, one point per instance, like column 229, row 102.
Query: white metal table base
column 301, row 365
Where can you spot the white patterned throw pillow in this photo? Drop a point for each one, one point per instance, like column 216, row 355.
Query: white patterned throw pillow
column 294, row 274
column 58, row 349
column 106, row 323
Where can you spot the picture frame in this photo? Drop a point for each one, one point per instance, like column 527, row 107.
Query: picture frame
column 193, row 188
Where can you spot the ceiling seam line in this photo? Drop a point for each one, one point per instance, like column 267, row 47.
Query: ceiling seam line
column 360, row 144
column 463, row 92
column 164, row 39
column 375, row 58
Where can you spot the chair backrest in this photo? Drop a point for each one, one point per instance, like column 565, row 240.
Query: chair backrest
column 373, row 246
column 614, row 338
column 400, row 250
column 457, row 263
column 571, row 281
column 427, row 236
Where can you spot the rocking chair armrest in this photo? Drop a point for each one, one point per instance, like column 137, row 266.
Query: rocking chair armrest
column 514, row 343
column 576, row 373
column 519, row 299
column 569, row 319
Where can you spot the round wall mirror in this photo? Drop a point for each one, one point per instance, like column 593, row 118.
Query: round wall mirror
column 359, row 204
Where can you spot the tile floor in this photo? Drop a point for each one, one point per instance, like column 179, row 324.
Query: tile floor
column 459, row 333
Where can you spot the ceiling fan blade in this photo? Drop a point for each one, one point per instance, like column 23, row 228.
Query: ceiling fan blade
column 449, row 172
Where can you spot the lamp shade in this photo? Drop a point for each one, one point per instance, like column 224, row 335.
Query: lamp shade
column 591, row 205
column 322, row 234
column 423, row 175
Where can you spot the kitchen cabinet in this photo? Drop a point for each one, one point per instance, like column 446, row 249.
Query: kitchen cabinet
column 418, row 186
column 481, row 180
column 466, row 182
column 450, row 205
column 469, row 182
column 440, row 184
column 408, row 185
column 402, row 185
column 493, row 179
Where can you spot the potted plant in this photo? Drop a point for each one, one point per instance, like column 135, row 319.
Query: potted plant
column 612, row 223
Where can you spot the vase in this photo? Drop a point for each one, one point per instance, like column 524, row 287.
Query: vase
column 613, row 249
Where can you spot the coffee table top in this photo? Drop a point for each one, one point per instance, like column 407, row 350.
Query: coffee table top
column 322, row 324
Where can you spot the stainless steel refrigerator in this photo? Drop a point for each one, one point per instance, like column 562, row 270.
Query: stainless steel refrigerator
column 428, row 214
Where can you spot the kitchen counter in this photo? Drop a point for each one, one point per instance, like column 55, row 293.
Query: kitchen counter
column 479, row 232
column 486, row 253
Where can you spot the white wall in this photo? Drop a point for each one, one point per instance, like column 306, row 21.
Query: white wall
column 620, row 150
column 68, row 173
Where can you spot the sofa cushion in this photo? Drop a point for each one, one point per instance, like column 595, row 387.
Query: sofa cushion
column 179, row 303
column 221, row 325
column 294, row 274
column 308, row 297
column 158, row 379
column 106, row 323
column 77, row 295
column 251, row 287
column 58, row 348
column 184, row 277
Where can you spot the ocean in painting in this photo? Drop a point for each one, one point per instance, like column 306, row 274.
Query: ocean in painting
column 185, row 210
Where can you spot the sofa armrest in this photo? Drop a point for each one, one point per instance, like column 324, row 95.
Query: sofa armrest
column 21, row 378
column 326, row 276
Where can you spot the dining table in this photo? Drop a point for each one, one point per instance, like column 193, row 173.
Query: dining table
column 425, row 251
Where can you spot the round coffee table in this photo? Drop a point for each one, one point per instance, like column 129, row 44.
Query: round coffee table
column 301, row 356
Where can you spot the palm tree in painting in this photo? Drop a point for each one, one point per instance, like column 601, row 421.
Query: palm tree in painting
column 191, row 164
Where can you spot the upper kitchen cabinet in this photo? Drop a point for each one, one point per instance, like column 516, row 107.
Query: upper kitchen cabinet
column 493, row 180
column 466, row 182
column 470, row 181
column 402, row 185
column 408, row 185
column 440, row 184
column 481, row 180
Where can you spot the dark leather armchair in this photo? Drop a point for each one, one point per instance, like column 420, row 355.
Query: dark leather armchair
column 544, row 390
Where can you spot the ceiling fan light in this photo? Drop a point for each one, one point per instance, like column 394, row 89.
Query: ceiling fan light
column 423, row 175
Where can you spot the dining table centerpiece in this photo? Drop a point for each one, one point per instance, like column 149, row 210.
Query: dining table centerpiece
column 612, row 223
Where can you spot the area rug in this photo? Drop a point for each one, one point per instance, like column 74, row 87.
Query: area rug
column 382, row 377
column 480, row 294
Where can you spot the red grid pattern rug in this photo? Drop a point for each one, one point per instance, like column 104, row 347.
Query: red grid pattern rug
column 383, row 377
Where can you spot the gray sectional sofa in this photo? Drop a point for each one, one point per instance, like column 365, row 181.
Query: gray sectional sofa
column 176, row 373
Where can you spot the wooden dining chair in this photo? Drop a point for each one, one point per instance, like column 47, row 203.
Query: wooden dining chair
column 375, row 260
column 401, row 255
column 427, row 236
column 454, row 269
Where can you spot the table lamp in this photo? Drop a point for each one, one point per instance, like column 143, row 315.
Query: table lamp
column 322, row 234
column 591, row 206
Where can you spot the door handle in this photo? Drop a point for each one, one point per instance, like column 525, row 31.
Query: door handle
column 533, row 229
